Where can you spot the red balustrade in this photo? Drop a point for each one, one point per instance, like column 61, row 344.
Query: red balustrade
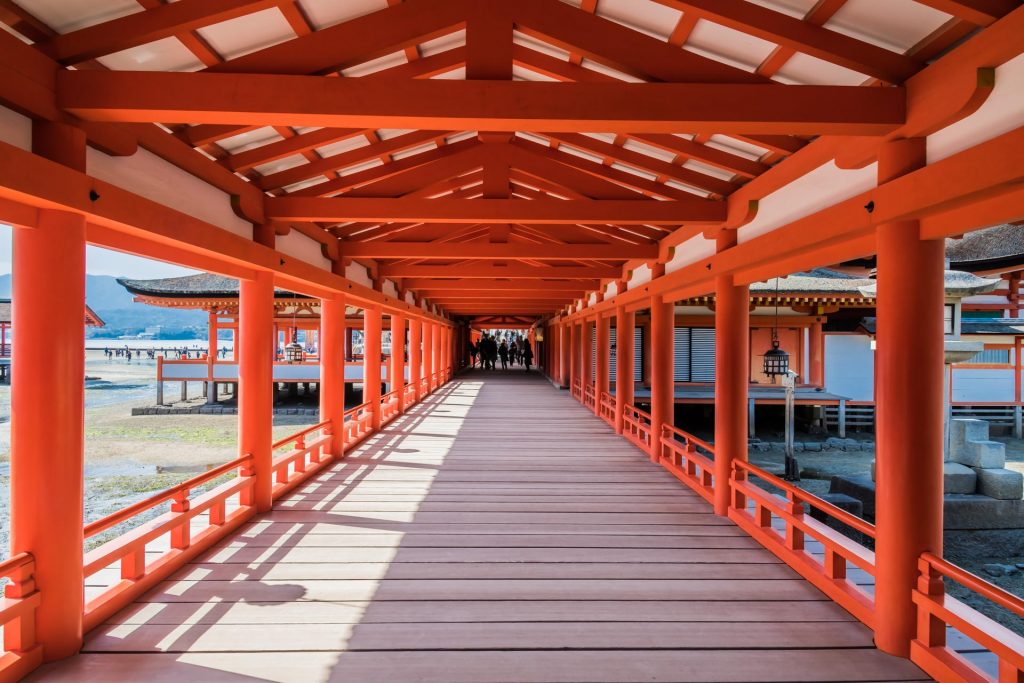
column 577, row 390
column 192, row 525
column 389, row 406
column 589, row 396
column 358, row 424
column 755, row 509
column 936, row 611
column 20, row 652
column 305, row 457
column 636, row 426
column 689, row 459
column 607, row 408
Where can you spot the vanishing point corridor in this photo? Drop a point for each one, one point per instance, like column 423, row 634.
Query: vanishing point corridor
column 496, row 531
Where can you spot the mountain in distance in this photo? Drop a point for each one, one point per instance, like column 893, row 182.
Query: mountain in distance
column 121, row 313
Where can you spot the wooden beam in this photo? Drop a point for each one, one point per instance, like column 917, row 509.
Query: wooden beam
column 499, row 250
column 487, row 271
column 495, row 284
column 827, row 45
column 623, row 212
column 259, row 99
column 977, row 12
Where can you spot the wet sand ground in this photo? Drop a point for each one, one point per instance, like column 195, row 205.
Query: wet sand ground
column 127, row 457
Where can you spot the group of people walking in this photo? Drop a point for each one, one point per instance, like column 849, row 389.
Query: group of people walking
column 489, row 351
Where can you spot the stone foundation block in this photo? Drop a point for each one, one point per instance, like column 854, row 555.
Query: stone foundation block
column 985, row 454
column 1000, row 484
column 963, row 430
column 957, row 478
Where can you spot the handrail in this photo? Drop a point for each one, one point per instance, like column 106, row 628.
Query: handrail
column 987, row 590
column 20, row 652
column 361, row 406
column 850, row 520
column 127, row 513
column 685, row 463
column 15, row 562
column 936, row 611
column 298, row 435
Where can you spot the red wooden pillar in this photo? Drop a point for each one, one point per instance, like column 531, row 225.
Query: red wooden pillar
column 603, row 330
column 398, row 359
column 624, row 334
column 255, row 381
column 332, row 369
column 586, row 360
column 428, row 354
column 48, row 403
column 732, row 376
column 47, row 413
column 909, row 367
column 816, row 353
column 662, row 361
column 371, row 363
column 564, row 355
column 416, row 355
column 436, row 346
column 574, row 355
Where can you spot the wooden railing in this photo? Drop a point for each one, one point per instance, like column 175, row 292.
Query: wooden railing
column 410, row 394
column 829, row 570
column 636, row 426
column 577, row 390
column 20, row 652
column 606, row 409
column 689, row 459
column 389, row 406
column 358, row 424
column 936, row 611
column 306, row 456
column 128, row 551
column 589, row 396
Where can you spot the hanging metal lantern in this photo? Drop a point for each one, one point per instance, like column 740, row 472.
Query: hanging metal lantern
column 776, row 361
column 293, row 352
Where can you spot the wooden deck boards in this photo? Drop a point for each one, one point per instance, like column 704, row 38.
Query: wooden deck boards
column 497, row 532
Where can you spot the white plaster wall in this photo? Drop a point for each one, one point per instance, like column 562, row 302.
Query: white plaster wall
column 15, row 129
column 850, row 366
column 1002, row 112
column 389, row 288
column 982, row 385
column 357, row 273
column 639, row 276
column 410, row 299
column 150, row 176
column 692, row 250
column 817, row 190
column 592, row 299
column 302, row 247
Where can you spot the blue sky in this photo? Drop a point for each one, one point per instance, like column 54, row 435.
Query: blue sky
column 103, row 262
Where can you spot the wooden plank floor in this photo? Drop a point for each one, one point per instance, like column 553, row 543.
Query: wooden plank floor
column 497, row 532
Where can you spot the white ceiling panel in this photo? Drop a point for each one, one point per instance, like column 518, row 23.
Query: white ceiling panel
column 248, row 33
column 323, row 13
column 64, row 16
column 737, row 47
column 354, row 142
column 646, row 16
column 896, row 26
column 281, row 164
column 802, row 69
column 169, row 54
column 249, row 140
column 375, row 65
column 442, row 44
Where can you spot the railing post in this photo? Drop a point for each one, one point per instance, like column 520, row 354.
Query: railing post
column 332, row 370
column 624, row 334
column 662, row 362
column 732, row 376
column 181, row 536
column 908, row 389
column 931, row 631
column 416, row 355
column 371, row 363
column 398, row 359
column 20, row 634
column 47, row 413
column 255, row 379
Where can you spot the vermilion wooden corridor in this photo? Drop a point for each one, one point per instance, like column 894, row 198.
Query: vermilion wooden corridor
column 432, row 553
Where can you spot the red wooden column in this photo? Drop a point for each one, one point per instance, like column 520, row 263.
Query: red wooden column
column 255, row 381
column 586, row 360
column 428, row 354
column 398, row 359
column 574, row 355
column 332, row 369
column 415, row 355
column 436, row 344
column 909, row 367
column 662, row 361
column 48, row 404
column 601, row 370
column 624, row 334
column 371, row 363
column 816, row 353
column 732, row 376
